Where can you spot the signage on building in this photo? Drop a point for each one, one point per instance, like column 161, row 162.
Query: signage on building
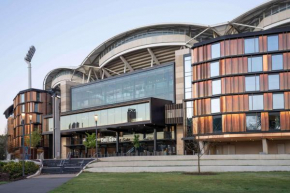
column 108, row 139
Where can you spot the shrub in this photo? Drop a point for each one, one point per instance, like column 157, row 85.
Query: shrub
column 2, row 164
column 14, row 169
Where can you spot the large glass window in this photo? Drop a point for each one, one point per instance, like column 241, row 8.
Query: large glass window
column 188, row 77
column 278, row 101
column 215, row 105
column 252, row 83
column 216, row 87
column 214, row 69
column 277, row 62
column 217, row 124
column 251, row 45
column 22, row 98
column 255, row 64
column 256, row 102
column 38, row 96
column 253, row 122
column 22, row 108
column 274, row 82
column 189, row 114
column 215, row 50
column 155, row 82
column 36, row 107
column 274, row 121
column 273, row 43
column 118, row 115
column 38, row 118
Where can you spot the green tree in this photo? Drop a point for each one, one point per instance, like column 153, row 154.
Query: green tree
column 90, row 142
column 3, row 146
column 35, row 139
column 136, row 142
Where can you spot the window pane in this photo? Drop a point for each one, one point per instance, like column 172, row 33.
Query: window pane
column 217, row 124
column 273, row 82
column 278, row 101
column 256, row 102
column 251, row 45
column 274, row 121
column 187, row 64
column 215, row 50
column 253, row 122
column 215, row 105
column 273, row 43
column 188, row 82
column 252, row 83
column 277, row 62
column 214, row 69
column 255, row 64
column 216, row 87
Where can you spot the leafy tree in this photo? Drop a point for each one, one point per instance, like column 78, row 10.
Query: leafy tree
column 35, row 139
column 3, row 146
column 90, row 142
column 136, row 142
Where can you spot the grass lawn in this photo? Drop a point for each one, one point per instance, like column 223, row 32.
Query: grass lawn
column 3, row 182
column 260, row 182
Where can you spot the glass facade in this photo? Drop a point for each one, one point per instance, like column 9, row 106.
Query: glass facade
column 187, row 77
column 252, row 83
column 274, row 121
column 255, row 64
column 278, row 101
column 256, row 102
column 216, row 87
column 215, row 50
column 274, row 82
column 277, row 62
column 215, row 105
column 157, row 82
column 189, row 114
column 22, row 98
column 251, row 45
column 217, row 124
column 118, row 115
column 273, row 43
column 253, row 122
column 214, row 69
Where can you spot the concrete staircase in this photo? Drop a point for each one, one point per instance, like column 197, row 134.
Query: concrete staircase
column 209, row 163
column 64, row 166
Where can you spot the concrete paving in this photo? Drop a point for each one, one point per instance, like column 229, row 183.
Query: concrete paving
column 39, row 184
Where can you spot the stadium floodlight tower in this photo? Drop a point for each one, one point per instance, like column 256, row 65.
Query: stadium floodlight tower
column 28, row 59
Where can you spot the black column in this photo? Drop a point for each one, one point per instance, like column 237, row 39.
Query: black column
column 117, row 142
column 155, row 140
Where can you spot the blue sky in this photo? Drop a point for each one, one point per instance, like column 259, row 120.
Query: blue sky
column 64, row 32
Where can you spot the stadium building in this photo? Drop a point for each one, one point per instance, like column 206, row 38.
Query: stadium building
column 226, row 86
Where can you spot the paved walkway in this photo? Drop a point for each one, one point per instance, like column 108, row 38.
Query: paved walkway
column 39, row 184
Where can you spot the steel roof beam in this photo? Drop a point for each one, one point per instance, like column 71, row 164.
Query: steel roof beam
column 153, row 56
column 126, row 64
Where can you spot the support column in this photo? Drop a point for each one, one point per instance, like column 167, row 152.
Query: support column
column 155, row 140
column 206, row 148
column 265, row 146
column 56, row 128
column 179, row 141
column 117, row 142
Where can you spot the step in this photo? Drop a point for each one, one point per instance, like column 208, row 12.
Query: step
column 59, row 170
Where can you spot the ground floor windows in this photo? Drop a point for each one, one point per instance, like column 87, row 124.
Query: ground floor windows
column 274, row 121
column 217, row 124
column 253, row 122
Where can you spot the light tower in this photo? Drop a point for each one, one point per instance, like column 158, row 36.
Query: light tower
column 28, row 59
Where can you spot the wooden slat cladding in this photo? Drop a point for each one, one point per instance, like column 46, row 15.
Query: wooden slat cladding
column 268, row 101
column 201, row 71
column 233, row 84
column 284, row 41
column 263, row 43
column 234, row 123
column 234, row 103
column 284, row 80
column 202, row 107
column 264, row 85
column 265, row 121
column 286, row 60
column 287, row 100
column 202, row 89
column 174, row 113
column 285, row 120
column 267, row 62
column 232, row 47
column 234, row 66
column 202, row 125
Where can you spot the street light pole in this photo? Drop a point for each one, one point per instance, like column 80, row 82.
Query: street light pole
column 23, row 148
column 96, row 121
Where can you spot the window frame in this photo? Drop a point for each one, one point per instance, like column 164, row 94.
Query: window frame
column 251, row 106
column 271, row 75
column 256, row 115
column 276, row 100
column 269, row 36
column 211, row 105
column 216, row 63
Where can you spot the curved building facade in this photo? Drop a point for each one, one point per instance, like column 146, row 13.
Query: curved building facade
column 224, row 86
